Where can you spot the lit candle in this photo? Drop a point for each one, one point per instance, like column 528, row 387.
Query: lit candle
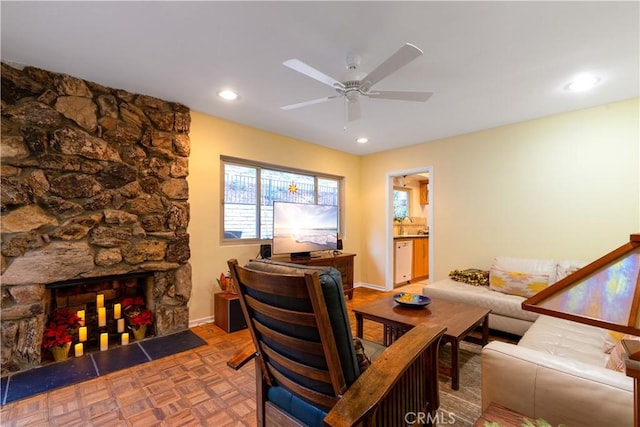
column 82, row 333
column 79, row 349
column 80, row 315
column 117, row 311
column 120, row 325
column 125, row 338
column 100, row 300
column 102, row 316
column 104, row 341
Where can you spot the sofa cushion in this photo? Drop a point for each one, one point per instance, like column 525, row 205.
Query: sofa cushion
column 567, row 339
column 567, row 267
column 482, row 296
column 527, row 265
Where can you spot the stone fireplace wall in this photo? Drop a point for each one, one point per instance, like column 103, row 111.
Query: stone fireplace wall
column 93, row 184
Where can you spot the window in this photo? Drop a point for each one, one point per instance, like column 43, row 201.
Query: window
column 401, row 203
column 249, row 190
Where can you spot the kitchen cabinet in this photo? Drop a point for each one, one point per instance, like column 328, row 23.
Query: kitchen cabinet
column 424, row 192
column 420, row 258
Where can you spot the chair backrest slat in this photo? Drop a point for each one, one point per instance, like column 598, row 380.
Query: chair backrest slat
column 283, row 315
column 317, row 374
column 311, row 395
column 309, row 347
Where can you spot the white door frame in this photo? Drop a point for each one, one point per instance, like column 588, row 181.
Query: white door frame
column 389, row 221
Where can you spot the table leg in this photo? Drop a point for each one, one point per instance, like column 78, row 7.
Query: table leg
column 485, row 330
column 455, row 367
column 359, row 325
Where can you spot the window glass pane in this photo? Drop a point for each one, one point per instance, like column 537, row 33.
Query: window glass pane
column 250, row 190
column 400, row 204
column 240, row 197
column 328, row 191
column 282, row 187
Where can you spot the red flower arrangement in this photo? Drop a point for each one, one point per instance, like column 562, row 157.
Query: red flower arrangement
column 60, row 328
column 136, row 314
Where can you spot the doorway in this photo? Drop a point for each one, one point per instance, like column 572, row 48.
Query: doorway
column 413, row 182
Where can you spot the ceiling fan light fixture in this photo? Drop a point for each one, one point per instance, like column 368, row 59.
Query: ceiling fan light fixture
column 583, row 82
column 362, row 140
column 228, row 95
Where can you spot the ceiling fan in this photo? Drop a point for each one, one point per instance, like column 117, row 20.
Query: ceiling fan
column 357, row 84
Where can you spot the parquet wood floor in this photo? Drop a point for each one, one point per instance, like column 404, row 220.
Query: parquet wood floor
column 193, row 388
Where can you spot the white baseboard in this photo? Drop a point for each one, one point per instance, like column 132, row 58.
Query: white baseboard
column 201, row 321
column 369, row 285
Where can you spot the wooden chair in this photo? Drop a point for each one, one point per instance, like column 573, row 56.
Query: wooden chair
column 306, row 367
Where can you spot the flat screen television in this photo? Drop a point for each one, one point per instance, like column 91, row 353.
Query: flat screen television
column 301, row 229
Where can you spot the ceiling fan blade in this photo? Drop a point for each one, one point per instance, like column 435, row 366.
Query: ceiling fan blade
column 402, row 57
column 307, row 70
column 306, row 103
column 400, row 95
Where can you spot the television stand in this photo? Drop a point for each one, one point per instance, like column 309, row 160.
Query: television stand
column 343, row 262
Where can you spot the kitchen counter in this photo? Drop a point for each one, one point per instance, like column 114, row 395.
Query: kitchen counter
column 411, row 236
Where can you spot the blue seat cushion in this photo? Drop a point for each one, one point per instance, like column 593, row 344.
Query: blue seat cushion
column 293, row 405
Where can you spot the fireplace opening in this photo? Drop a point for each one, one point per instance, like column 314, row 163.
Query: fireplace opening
column 103, row 305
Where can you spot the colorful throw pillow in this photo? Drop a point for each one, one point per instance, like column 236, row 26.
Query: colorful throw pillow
column 517, row 283
column 363, row 361
column 616, row 361
column 471, row 276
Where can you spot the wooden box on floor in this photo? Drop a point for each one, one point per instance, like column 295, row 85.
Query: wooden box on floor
column 228, row 314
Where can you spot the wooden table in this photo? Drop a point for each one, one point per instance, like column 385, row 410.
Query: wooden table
column 459, row 319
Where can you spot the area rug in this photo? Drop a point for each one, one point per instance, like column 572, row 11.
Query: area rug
column 461, row 407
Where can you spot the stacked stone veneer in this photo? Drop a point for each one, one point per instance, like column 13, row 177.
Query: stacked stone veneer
column 93, row 184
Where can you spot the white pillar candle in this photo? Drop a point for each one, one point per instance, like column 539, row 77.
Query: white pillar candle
column 100, row 300
column 104, row 341
column 79, row 349
column 125, row 338
column 80, row 315
column 82, row 333
column 117, row 311
column 102, row 316
column 120, row 325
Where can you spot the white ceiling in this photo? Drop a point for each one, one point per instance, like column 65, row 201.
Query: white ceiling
column 487, row 63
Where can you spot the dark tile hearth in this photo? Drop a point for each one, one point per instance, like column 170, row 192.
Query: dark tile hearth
column 77, row 369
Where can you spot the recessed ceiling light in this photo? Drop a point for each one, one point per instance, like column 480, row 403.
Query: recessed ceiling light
column 583, row 82
column 362, row 140
column 228, row 95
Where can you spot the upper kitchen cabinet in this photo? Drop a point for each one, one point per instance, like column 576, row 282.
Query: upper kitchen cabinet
column 424, row 192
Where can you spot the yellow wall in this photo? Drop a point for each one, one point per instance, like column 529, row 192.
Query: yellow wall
column 212, row 137
column 565, row 187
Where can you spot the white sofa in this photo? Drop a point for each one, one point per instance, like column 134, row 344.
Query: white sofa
column 506, row 314
column 506, row 305
column 557, row 372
